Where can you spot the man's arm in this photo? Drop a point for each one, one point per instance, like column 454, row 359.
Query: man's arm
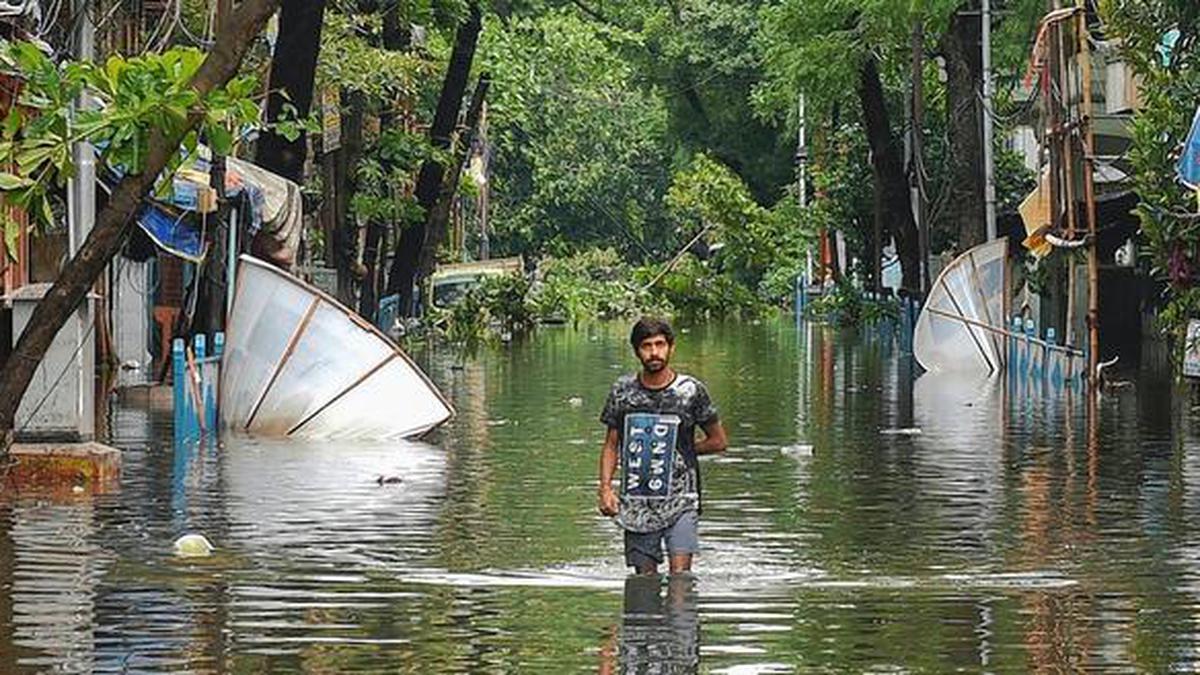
column 606, row 498
column 714, row 441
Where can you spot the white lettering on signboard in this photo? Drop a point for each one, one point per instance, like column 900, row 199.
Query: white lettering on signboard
column 661, row 429
column 655, row 484
column 658, row 466
column 632, row 481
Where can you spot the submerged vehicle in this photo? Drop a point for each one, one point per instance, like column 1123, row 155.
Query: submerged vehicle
column 449, row 283
column 297, row 363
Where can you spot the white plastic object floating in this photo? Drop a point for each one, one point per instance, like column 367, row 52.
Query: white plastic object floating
column 193, row 546
column 905, row 431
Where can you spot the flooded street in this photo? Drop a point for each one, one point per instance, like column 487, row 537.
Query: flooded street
column 859, row 522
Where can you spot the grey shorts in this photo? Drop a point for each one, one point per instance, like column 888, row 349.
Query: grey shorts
column 680, row 537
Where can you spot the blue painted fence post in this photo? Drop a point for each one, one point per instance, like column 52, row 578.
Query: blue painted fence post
column 214, row 387
column 801, row 300
column 178, row 373
column 204, row 405
column 1056, row 374
column 1014, row 348
column 1027, row 348
column 1035, row 368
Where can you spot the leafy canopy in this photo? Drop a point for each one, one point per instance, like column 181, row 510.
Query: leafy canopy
column 129, row 99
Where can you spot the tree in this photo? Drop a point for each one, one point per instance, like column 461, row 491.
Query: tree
column 293, row 71
column 196, row 101
column 1168, row 64
column 960, row 46
column 893, row 206
column 401, row 280
column 815, row 49
column 583, row 154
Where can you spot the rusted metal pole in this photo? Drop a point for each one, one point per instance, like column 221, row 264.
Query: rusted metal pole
column 1089, row 195
column 1068, row 161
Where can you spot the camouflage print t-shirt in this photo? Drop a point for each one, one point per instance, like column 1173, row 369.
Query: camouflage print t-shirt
column 656, row 453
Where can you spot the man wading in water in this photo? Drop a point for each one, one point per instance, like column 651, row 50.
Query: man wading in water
column 652, row 419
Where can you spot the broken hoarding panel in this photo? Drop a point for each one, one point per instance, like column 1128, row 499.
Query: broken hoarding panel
column 961, row 326
column 299, row 364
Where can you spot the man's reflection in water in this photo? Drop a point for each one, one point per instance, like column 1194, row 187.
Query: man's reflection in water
column 659, row 633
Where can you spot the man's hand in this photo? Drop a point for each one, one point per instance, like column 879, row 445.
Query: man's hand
column 607, row 501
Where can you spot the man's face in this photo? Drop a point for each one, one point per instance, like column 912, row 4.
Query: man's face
column 655, row 353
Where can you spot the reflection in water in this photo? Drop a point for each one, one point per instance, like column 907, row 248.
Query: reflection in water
column 50, row 596
column 1007, row 536
column 660, row 630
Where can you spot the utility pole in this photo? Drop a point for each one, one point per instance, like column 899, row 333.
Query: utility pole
column 485, row 189
column 989, row 166
column 82, row 193
column 802, row 181
column 1089, row 195
column 918, row 165
column 78, row 331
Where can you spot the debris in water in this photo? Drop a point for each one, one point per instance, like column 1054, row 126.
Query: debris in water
column 388, row 480
column 575, row 402
column 193, row 546
column 906, row 431
column 798, row 450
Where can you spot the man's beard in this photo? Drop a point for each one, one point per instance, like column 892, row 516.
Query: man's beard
column 653, row 365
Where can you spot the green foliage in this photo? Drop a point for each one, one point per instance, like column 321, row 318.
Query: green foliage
column 498, row 307
column 700, row 56
column 1170, row 90
column 694, row 291
column 505, row 299
column 351, row 59
column 845, row 305
column 595, row 284
column 135, row 98
column 760, row 249
column 386, row 177
column 581, row 151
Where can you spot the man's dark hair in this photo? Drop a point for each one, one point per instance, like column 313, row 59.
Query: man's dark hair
column 649, row 326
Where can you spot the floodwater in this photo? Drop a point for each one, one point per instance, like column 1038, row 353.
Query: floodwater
column 859, row 522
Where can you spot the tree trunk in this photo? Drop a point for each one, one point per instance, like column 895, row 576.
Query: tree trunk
column 293, row 69
column 890, row 181
column 345, row 234
column 438, row 217
column 965, row 217
column 368, row 301
column 115, row 220
column 396, row 37
column 429, row 181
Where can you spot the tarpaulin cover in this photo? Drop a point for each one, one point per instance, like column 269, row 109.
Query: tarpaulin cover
column 175, row 234
column 1188, row 168
column 273, row 207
